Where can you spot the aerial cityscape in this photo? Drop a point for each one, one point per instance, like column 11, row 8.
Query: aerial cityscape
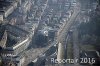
column 49, row 32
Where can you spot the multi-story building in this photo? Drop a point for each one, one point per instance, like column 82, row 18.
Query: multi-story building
column 6, row 8
column 13, row 42
column 14, row 39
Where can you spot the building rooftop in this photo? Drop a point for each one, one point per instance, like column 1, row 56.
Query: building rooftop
column 14, row 35
column 7, row 8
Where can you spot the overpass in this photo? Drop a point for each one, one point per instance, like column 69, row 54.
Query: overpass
column 61, row 38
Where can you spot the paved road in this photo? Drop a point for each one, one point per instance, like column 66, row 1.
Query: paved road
column 63, row 34
column 61, row 37
column 31, row 54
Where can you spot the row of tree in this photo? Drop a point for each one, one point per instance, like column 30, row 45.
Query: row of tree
column 90, row 31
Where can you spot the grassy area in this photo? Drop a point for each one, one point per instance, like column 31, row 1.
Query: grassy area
column 69, row 50
column 87, row 47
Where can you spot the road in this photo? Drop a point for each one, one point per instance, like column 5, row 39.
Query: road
column 61, row 37
column 65, row 30
column 32, row 54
